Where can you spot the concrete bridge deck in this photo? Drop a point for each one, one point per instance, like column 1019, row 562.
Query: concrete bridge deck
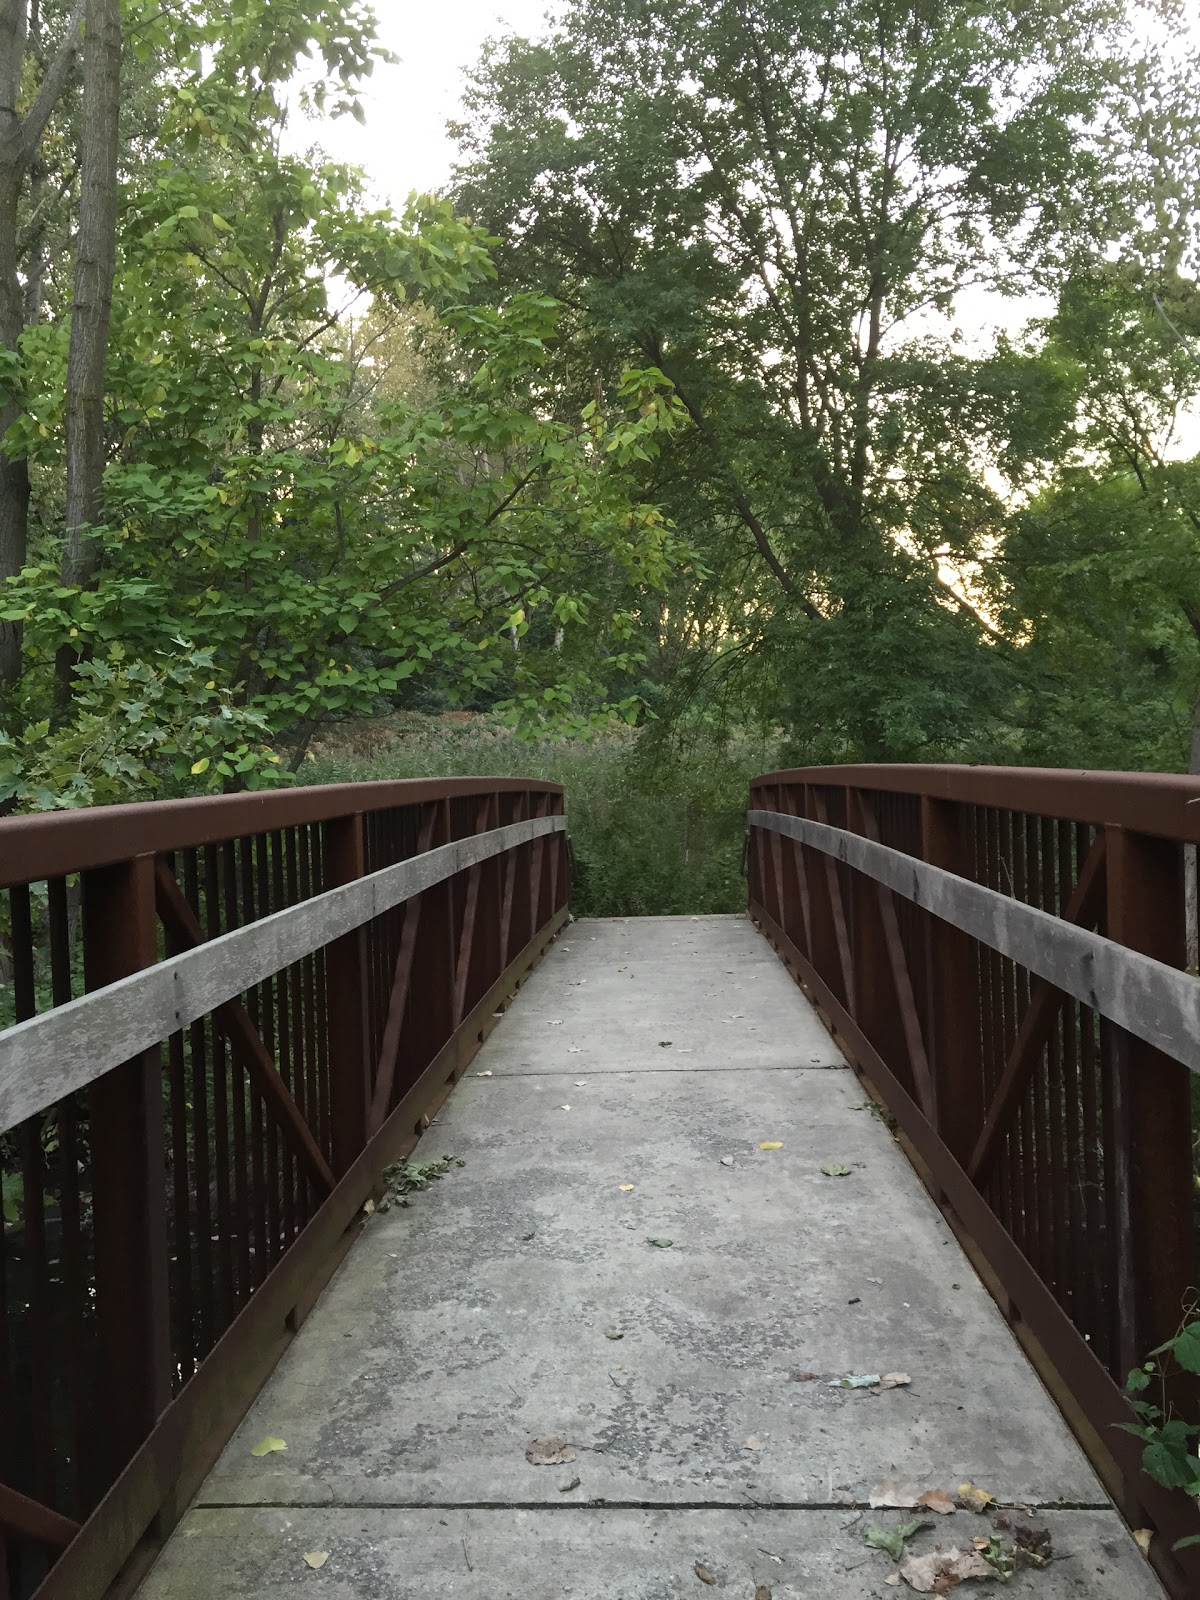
column 626, row 1098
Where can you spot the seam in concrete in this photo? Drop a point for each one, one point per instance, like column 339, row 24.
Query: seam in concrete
column 644, row 1072
column 1038, row 1506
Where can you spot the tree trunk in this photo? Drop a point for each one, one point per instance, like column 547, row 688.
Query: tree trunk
column 14, row 473
column 20, row 136
column 95, row 267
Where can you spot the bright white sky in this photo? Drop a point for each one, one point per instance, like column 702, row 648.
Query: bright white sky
column 403, row 145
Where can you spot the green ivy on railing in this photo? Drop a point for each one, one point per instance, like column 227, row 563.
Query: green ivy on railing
column 1169, row 1455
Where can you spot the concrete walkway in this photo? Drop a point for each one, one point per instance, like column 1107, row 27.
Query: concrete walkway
column 602, row 1114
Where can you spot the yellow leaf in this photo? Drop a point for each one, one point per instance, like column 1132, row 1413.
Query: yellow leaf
column 266, row 1446
column 625, row 1187
column 200, row 766
column 211, row 684
column 771, row 1144
column 316, row 1558
column 1143, row 1537
column 974, row 1499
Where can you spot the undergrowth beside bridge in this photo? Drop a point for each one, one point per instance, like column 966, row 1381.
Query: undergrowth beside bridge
column 655, row 833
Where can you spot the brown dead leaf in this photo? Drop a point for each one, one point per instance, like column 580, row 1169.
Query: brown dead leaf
column 805, row 1377
column 973, row 1498
column 703, row 1573
column 1143, row 1537
column 894, row 1380
column 316, row 1559
column 941, row 1571
column 752, row 1442
column 980, row 1543
column 761, row 1592
column 937, row 1500
column 549, row 1453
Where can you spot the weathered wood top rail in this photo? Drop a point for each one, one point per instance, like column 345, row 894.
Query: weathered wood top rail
column 1005, row 955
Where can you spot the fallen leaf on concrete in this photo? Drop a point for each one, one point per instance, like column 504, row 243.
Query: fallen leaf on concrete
column 574, row 1049
column 752, row 1442
column 893, row 1580
column 581, row 1083
column 625, row 1187
column 664, row 1044
column 761, row 1592
column 980, row 1543
column 894, row 1380
column 564, row 1108
column 316, row 1558
column 836, row 1169
column 805, row 1377
column 892, row 1539
column 974, row 1499
column 368, row 1207
column 892, row 1491
column 613, row 1333
column 266, row 1446
column 565, row 1488
column 857, row 1380
column 483, row 1074
column 937, row 1500
column 1143, row 1537
column 1031, row 1546
column 771, row 1144
column 703, row 1573
column 661, row 1244
column 726, row 1161
column 554, row 1022
column 943, row 1570
column 549, row 1453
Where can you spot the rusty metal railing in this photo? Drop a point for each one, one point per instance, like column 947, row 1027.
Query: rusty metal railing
column 1003, row 954
column 220, row 1019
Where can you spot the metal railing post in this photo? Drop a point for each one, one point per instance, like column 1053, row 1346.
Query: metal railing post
column 128, row 1175
column 953, row 1001
column 1152, row 1104
column 346, row 980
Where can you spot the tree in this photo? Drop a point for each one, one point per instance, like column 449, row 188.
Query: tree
column 22, row 126
column 779, row 203
column 279, row 537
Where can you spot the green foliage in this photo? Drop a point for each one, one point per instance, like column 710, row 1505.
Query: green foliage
column 139, row 731
column 655, row 831
column 405, row 1178
column 1169, row 1455
column 275, row 508
column 781, row 207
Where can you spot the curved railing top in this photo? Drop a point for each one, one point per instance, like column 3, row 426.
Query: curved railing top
column 50, row 844
column 1166, row 804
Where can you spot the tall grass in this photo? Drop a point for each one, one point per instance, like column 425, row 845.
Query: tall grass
column 654, row 834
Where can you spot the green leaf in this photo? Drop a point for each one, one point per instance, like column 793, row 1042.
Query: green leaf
column 1185, row 1347
column 661, row 1244
column 267, row 1446
column 892, row 1540
column 835, row 1169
